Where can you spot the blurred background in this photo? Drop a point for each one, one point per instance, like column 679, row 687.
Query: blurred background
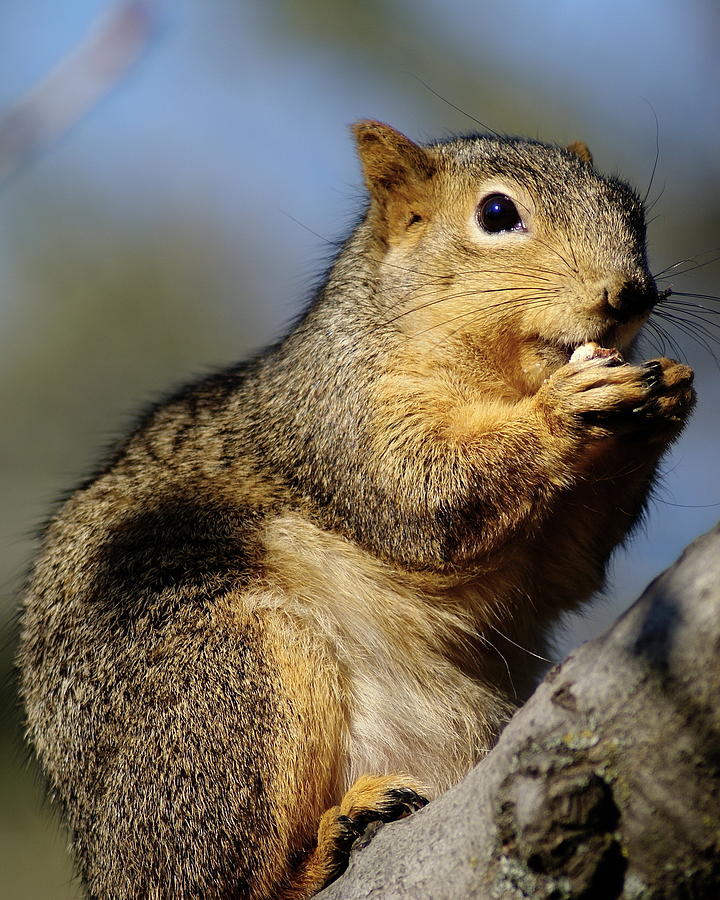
column 169, row 195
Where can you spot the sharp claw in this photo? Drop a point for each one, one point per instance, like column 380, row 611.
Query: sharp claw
column 409, row 799
column 350, row 825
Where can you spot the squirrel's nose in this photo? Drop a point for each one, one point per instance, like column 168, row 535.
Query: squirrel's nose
column 631, row 298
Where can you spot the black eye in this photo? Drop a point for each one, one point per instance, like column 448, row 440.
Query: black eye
column 498, row 213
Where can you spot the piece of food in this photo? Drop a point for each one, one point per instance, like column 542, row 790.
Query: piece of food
column 592, row 350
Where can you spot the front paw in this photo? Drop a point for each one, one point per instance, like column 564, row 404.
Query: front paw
column 671, row 396
column 603, row 398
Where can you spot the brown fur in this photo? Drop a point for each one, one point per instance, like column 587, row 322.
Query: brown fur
column 327, row 566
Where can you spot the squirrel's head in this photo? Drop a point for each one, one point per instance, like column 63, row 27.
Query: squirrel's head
column 516, row 250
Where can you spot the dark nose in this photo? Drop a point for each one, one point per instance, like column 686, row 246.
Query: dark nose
column 632, row 299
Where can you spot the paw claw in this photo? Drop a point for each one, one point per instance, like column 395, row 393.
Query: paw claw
column 653, row 365
column 408, row 800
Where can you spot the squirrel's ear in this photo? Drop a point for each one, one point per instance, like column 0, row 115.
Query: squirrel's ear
column 389, row 159
column 581, row 150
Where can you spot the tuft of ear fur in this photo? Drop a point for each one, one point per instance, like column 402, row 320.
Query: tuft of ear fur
column 396, row 173
column 581, row 150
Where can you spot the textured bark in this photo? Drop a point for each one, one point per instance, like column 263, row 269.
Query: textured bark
column 606, row 784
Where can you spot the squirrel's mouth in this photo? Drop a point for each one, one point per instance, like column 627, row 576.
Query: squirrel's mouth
column 554, row 354
column 543, row 357
column 588, row 350
column 609, row 343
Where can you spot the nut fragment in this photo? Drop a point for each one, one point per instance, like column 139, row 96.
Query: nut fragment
column 592, row 350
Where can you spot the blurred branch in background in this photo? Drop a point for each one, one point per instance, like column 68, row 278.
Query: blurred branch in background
column 113, row 45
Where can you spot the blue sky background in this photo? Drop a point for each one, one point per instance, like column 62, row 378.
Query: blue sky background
column 171, row 229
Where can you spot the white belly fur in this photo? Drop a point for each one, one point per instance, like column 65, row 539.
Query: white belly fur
column 411, row 710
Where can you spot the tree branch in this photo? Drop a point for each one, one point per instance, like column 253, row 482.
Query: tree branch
column 606, row 784
column 76, row 84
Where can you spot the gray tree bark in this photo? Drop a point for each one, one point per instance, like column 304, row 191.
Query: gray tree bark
column 606, row 784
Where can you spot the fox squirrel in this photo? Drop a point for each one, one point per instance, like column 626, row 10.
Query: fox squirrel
column 294, row 599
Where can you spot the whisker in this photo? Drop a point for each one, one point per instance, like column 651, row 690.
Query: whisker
column 486, row 312
column 557, row 253
column 506, row 271
column 458, row 108
column 685, row 304
column 681, row 325
column 445, row 298
column 668, row 341
column 665, row 273
column 691, row 312
column 652, row 205
column 697, row 296
column 520, row 646
column 702, row 324
column 687, row 505
column 478, row 316
column 326, row 240
column 500, row 269
column 492, row 646
column 651, row 336
column 572, row 251
column 429, row 287
column 657, row 154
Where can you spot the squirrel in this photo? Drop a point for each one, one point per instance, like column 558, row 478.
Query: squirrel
column 299, row 597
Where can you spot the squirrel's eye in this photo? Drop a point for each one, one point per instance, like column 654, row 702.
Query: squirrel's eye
column 498, row 213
